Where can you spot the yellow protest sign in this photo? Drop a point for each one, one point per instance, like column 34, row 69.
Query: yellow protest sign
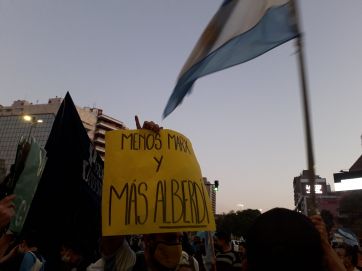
column 153, row 184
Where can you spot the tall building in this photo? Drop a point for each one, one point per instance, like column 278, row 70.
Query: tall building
column 344, row 202
column 104, row 123
column 325, row 198
column 351, row 179
column 13, row 126
column 2, row 170
column 302, row 190
column 212, row 193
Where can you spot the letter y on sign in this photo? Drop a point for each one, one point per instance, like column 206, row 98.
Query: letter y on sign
column 158, row 162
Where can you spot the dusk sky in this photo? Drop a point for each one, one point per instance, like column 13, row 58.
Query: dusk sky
column 245, row 123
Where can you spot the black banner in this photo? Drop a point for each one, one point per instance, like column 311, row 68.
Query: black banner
column 66, row 209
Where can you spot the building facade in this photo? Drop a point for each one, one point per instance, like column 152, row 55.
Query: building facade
column 2, row 169
column 344, row 202
column 13, row 126
column 302, row 191
column 326, row 199
column 104, row 124
column 212, row 193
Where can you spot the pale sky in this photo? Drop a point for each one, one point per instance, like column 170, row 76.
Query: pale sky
column 245, row 123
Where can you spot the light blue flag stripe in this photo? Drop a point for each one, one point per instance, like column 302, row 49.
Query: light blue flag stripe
column 275, row 28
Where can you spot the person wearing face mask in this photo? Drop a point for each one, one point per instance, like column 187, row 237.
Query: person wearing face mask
column 117, row 255
column 163, row 252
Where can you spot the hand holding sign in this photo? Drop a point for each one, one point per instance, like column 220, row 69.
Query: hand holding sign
column 148, row 125
column 152, row 184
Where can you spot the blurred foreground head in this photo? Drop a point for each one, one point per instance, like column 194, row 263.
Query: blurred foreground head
column 281, row 239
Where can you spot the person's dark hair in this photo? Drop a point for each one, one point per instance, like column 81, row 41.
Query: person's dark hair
column 223, row 235
column 281, row 239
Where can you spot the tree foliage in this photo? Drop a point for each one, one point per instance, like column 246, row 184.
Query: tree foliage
column 237, row 223
column 350, row 209
column 351, row 203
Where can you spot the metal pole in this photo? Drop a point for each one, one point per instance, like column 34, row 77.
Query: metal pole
column 307, row 126
column 212, row 251
column 31, row 128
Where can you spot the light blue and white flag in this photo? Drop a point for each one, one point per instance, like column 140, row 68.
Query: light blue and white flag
column 240, row 31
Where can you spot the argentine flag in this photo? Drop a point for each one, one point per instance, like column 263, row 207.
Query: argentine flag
column 240, row 31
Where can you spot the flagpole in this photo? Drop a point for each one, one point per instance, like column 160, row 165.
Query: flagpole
column 307, row 124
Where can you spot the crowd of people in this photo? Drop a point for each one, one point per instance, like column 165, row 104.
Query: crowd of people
column 279, row 239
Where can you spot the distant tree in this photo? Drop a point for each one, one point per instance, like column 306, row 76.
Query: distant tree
column 350, row 209
column 351, row 203
column 245, row 219
column 225, row 222
column 237, row 223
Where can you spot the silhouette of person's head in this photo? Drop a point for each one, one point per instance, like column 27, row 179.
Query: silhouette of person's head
column 281, row 239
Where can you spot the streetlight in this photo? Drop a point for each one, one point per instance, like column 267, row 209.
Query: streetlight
column 213, row 186
column 27, row 118
column 216, row 185
column 33, row 120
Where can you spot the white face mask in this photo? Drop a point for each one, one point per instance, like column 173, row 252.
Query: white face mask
column 168, row 255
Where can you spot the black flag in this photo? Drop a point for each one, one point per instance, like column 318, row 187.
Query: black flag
column 66, row 209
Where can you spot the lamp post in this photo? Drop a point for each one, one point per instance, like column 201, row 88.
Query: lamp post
column 216, row 185
column 33, row 121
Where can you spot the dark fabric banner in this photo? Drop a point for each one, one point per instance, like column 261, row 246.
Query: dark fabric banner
column 66, row 209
